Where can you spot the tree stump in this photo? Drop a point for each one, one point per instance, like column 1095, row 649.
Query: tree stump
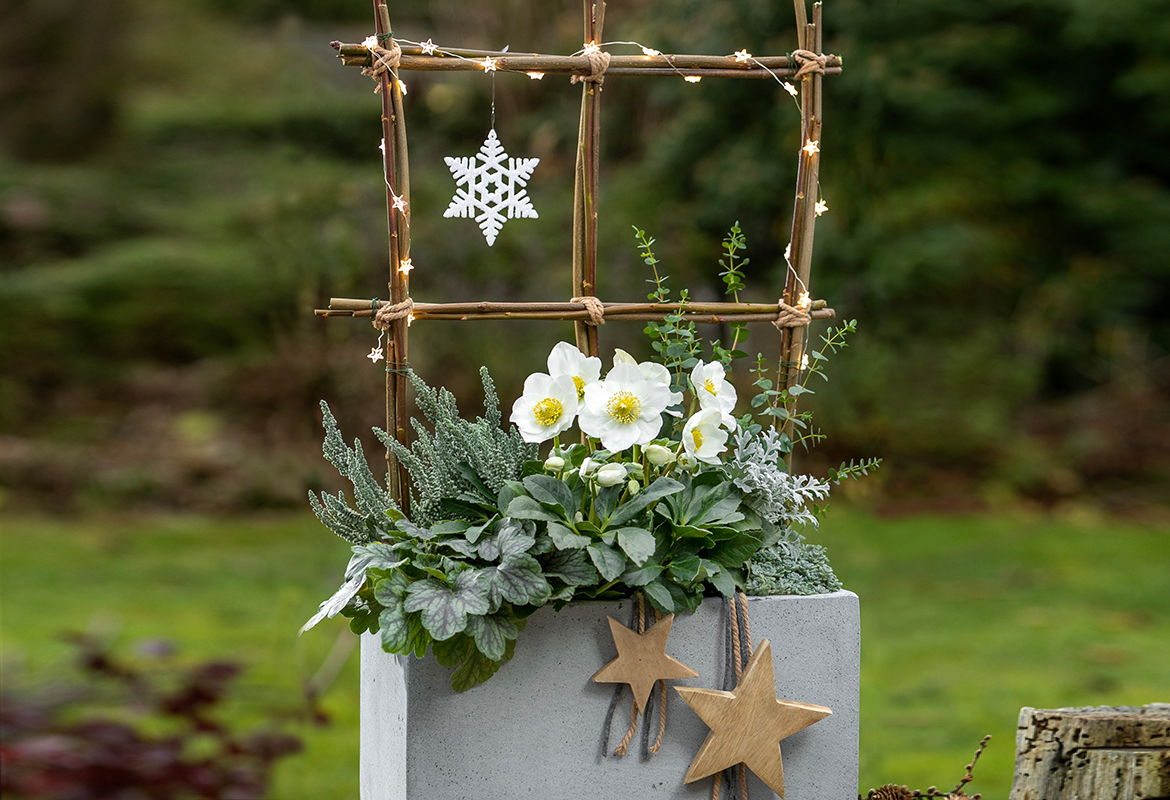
column 1120, row 752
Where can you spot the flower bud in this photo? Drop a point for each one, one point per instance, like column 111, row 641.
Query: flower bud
column 687, row 463
column 554, row 463
column 588, row 467
column 657, row 454
column 610, row 475
column 634, row 487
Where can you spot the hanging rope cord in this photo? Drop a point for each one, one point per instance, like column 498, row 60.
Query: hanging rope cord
column 739, row 651
column 638, row 617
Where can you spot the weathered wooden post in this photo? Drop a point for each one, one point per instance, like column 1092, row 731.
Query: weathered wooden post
column 1115, row 752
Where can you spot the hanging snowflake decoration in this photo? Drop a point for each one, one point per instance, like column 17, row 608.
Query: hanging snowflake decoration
column 487, row 188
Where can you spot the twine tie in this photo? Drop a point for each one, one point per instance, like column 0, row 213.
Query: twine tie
column 594, row 307
column 810, row 63
column 791, row 317
column 384, row 59
column 598, row 64
column 391, row 312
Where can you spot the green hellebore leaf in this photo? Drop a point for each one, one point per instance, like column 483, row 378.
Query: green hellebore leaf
column 564, row 538
column 524, row 507
column 550, row 490
column 643, row 499
column 638, row 544
column 445, row 608
column 659, row 597
column 609, row 562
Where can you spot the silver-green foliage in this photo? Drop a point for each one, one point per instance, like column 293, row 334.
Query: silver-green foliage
column 373, row 502
column 757, row 467
column 791, row 568
column 788, row 565
column 435, row 458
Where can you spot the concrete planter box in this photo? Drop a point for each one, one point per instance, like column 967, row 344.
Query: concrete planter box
column 534, row 729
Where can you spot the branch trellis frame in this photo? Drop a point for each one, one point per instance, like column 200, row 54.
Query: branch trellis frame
column 807, row 66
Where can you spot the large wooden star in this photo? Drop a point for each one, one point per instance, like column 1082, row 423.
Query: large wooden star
column 642, row 659
column 748, row 724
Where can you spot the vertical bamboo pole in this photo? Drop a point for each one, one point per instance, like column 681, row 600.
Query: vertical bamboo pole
column 804, row 205
column 587, row 183
column 394, row 161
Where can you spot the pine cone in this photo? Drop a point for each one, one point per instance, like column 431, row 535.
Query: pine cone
column 890, row 792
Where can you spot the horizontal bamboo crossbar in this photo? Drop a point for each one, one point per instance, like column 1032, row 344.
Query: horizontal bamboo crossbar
column 711, row 313
column 356, row 55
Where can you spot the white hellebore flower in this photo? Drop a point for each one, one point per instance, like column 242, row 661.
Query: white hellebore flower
column 625, row 409
column 713, row 390
column 611, row 475
column 703, row 437
column 651, row 371
column 567, row 361
column 546, row 408
column 658, row 455
column 588, row 467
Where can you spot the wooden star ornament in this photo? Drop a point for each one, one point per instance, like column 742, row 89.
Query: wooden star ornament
column 748, row 724
column 642, row 659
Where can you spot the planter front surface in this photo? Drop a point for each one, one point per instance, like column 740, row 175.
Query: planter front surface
column 534, row 729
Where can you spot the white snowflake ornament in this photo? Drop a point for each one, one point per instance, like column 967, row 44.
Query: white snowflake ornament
column 487, row 188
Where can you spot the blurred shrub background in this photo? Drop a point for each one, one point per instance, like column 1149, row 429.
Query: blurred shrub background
column 182, row 181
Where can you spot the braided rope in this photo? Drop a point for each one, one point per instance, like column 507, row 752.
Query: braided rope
column 662, row 706
column 621, row 749
column 810, row 63
column 595, row 308
column 598, row 64
column 392, row 312
column 791, row 317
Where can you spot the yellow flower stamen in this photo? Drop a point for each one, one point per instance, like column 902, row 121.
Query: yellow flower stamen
column 710, row 387
column 624, row 408
column 548, row 411
column 697, row 435
column 579, row 382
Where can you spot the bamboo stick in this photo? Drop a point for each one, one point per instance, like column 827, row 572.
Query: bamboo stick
column 396, row 416
column 578, row 316
column 488, row 306
column 652, row 70
column 579, row 64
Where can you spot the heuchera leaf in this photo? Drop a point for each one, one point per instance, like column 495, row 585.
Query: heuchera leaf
column 450, row 652
column 608, row 561
column 638, row 544
column 394, row 627
column 445, row 608
column 492, row 633
column 564, row 538
column 514, row 537
column 571, row 566
column 475, row 669
column 518, row 579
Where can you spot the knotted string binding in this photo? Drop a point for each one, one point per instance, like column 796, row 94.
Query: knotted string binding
column 598, row 64
column 594, row 307
column 810, row 63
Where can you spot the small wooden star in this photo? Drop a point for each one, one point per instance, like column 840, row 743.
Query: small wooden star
column 748, row 724
column 642, row 659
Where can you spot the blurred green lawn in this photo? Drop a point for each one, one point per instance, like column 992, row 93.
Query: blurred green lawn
column 965, row 620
